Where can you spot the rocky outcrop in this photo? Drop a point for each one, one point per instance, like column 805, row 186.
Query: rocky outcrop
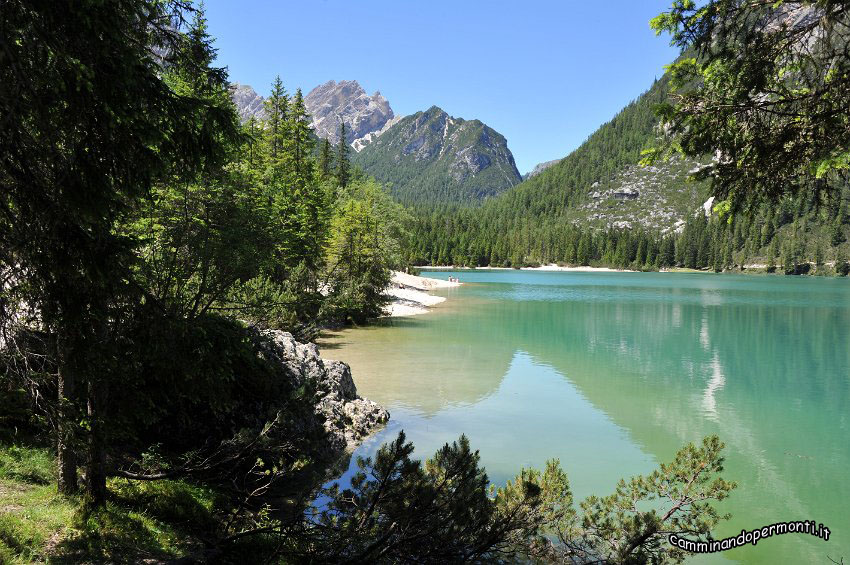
column 347, row 101
column 346, row 417
column 248, row 102
column 657, row 197
column 359, row 144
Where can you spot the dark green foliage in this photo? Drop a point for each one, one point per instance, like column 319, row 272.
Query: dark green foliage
column 133, row 204
column 135, row 213
column 88, row 127
column 275, row 131
column 842, row 267
column 343, row 166
column 398, row 510
column 765, row 87
column 196, row 378
column 546, row 218
column 367, row 240
column 325, row 165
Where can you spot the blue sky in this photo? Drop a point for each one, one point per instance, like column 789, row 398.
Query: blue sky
column 545, row 74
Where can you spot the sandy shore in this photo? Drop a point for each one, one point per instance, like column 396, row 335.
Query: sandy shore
column 410, row 294
column 554, row 267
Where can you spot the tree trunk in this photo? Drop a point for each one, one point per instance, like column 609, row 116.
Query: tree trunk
column 96, row 468
column 66, row 458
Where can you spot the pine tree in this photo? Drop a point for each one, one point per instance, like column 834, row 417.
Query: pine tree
column 343, row 166
column 836, row 233
column 198, row 54
column 728, row 253
column 791, row 256
column 640, row 258
column 310, row 199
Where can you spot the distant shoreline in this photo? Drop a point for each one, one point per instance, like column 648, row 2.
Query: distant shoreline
column 754, row 269
column 550, row 267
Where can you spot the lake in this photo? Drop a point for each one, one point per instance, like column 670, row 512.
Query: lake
column 613, row 372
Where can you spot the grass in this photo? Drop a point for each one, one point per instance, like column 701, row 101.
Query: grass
column 142, row 520
column 32, row 515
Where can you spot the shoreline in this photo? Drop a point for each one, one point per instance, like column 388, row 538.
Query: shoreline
column 411, row 295
column 749, row 269
column 551, row 267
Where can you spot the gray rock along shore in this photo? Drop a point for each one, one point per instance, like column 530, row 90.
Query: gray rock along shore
column 347, row 418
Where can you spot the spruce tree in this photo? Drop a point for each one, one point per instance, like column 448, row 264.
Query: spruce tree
column 251, row 130
column 842, row 267
column 92, row 125
column 819, row 255
column 668, row 252
column 836, row 232
column 325, row 160
column 299, row 144
column 771, row 256
column 343, row 166
column 277, row 109
column 311, row 201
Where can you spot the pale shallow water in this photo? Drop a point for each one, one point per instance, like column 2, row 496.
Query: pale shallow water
column 613, row 372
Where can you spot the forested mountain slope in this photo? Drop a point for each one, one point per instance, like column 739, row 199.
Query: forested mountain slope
column 600, row 184
column 598, row 206
column 431, row 157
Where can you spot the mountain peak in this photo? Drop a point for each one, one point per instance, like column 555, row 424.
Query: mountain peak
column 248, row 102
column 346, row 100
column 431, row 156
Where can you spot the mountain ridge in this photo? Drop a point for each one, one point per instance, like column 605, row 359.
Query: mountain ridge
column 433, row 157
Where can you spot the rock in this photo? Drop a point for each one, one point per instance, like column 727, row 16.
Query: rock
column 707, row 206
column 347, row 418
column 539, row 168
column 626, row 193
column 248, row 102
column 359, row 144
column 347, row 101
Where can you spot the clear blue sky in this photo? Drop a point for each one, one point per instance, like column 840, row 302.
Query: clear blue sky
column 545, row 74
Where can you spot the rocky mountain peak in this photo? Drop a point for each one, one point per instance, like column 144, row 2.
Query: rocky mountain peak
column 539, row 168
column 346, row 100
column 248, row 102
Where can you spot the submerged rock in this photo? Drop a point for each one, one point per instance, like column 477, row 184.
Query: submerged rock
column 346, row 417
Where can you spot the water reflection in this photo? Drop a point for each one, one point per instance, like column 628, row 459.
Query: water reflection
column 611, row 372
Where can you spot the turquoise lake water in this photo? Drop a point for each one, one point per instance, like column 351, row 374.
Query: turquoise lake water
column 613, row 372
